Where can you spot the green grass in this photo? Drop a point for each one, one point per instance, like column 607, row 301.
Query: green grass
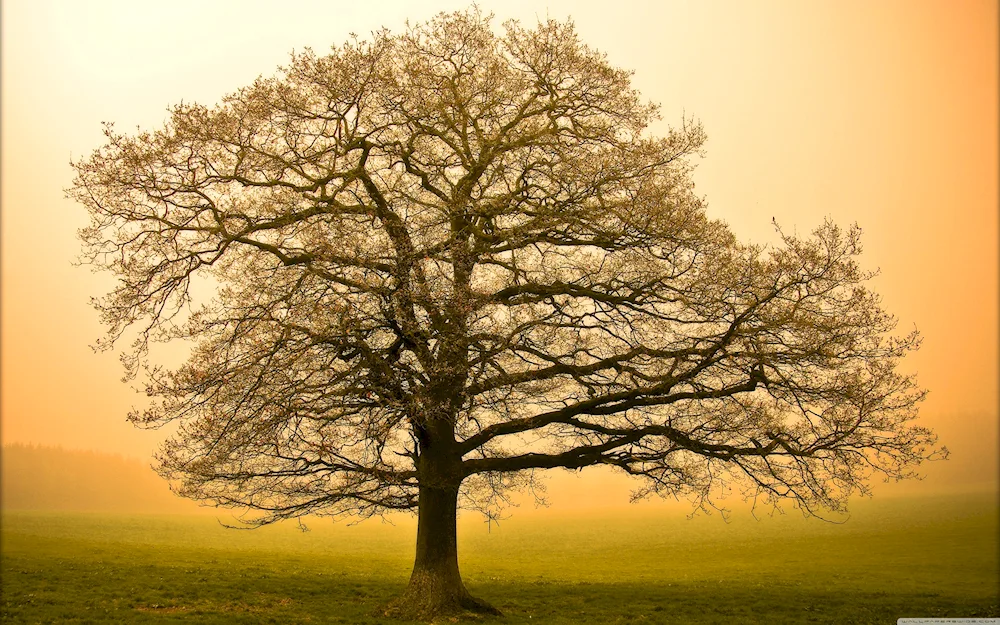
column 930, row 557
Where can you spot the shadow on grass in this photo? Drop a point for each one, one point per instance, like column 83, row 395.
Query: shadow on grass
column 118, row 590
column 723, row 602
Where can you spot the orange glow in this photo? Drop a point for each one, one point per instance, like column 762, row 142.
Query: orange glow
column 882, row 113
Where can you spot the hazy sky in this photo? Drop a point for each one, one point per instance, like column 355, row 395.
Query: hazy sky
column 882, row 113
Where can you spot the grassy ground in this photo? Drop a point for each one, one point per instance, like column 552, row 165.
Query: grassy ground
column 930, row 557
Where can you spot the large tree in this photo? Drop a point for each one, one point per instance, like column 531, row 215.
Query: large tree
column 417, row 270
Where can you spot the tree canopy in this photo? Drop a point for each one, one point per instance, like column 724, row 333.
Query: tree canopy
column 446, row 259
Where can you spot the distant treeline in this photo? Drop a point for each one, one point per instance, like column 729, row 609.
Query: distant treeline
column 53, row 478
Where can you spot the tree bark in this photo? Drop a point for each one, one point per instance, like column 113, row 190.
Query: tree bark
column 435, row 586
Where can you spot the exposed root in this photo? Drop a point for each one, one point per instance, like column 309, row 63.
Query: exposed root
column 427, row 606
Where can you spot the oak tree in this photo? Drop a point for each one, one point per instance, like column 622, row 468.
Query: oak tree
column 421, row 268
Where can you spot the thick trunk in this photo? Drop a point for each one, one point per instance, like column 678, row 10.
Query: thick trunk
column 436, row 586
column 437, row 547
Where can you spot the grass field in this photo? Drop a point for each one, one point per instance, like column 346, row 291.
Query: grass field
column 928, row 557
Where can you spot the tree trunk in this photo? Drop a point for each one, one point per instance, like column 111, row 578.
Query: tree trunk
column 436, row 586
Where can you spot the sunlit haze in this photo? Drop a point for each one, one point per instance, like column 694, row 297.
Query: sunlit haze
column 880, row 113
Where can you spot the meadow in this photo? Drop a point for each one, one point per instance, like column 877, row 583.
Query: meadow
column 897, row 557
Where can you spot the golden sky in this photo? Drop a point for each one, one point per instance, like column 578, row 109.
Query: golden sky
column 881, row 113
